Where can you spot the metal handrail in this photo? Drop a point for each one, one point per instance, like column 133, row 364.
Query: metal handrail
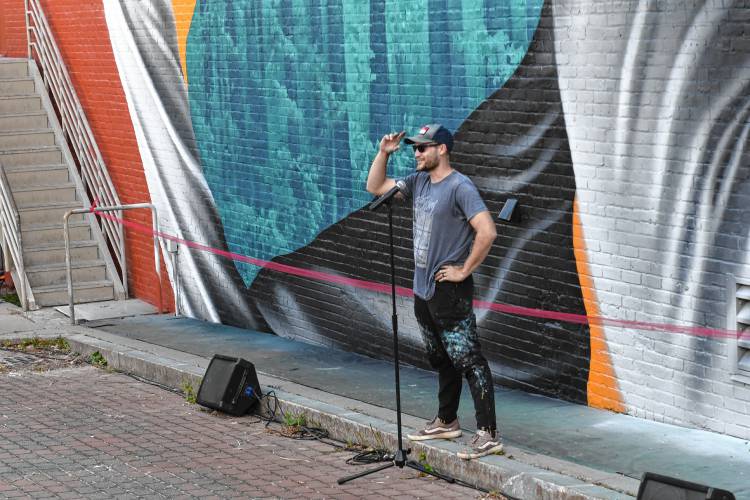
column 92, row 171
column 117, row 208
column 10, row 221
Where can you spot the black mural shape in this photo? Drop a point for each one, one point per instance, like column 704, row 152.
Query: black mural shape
column 514, row 145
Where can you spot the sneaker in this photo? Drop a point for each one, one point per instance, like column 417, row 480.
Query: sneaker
column 437, row 429
column 483, row 443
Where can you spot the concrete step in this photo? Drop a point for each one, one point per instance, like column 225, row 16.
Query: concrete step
column 29, row 120
column 49, row 213
column 31, row 156
column 20, row 104
column 54, row 253
column 17, row 86
column 41, row 234
column 13, row 69
column 37, row 175
column 36, row 195
column 56, row 274
column 57, row 295
column 27, row 139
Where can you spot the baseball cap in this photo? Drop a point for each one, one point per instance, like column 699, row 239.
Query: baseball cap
column 432, row 133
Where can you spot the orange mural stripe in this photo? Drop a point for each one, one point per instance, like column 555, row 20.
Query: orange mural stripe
column 602, row 389
column 183, row 16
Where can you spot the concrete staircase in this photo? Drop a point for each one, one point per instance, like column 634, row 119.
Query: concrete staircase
column 43, row 191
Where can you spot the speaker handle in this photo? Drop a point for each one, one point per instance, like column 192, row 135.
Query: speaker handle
column 239, row 388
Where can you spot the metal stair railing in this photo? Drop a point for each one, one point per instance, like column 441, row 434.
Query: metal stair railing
column 10, row 222
column 119, row 208
column 97, row 184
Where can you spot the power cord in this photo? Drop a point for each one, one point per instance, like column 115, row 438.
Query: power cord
column 371, row 457
column 304, row 432
column 300, row 431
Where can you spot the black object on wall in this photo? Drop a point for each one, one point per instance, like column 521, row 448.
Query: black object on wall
column 506, row 213
column 658, row 487
column 230, row 385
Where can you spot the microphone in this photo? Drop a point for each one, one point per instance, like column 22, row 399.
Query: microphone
column 387, row 196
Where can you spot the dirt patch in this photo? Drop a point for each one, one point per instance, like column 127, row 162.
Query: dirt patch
column 37, row 355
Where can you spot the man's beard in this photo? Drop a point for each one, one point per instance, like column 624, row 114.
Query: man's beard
column 427, row 166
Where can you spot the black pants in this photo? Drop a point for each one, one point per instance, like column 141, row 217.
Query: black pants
column 449, row 329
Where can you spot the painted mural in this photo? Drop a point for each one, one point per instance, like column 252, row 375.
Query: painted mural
column 666, row 168
column 531, row 254
column 623, row 133
column 279, row 105
column 290, row 99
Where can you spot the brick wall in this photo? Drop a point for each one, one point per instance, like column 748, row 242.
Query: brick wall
column 657, row 117
column 531, row 264
column 12, row 29
column 634, row 115
column 621, row 129
column 81, row 34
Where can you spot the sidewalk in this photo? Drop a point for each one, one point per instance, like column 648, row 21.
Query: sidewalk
column 94, row 434
column 554, row 449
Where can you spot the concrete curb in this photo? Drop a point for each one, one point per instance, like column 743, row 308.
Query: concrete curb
column 519, row 473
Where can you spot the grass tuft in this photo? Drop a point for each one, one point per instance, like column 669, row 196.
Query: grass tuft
column 12, row 298
column 97, row 359
column 57, row 344
column 189, row 392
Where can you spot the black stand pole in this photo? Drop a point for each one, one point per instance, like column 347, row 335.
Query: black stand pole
column 399, row 459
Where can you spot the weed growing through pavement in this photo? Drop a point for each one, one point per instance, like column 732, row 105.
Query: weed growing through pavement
column 57, row 344
column 292, row 424
column 494, row 495
column 379, row 439
column 50, row 354
column 12, row 298
column 364, row 440
column 189, row 391
column 97, row 359
column 295, row 420
column 423, row 462
column 351, row 446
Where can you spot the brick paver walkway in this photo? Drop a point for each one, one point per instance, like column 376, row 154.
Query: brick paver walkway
column 85, row 433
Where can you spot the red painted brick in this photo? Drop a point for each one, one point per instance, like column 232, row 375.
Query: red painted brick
column 81, row 34
column 12, row 28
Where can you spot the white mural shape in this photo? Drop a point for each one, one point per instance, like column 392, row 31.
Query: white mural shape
column 657, row 111
column 209, row 285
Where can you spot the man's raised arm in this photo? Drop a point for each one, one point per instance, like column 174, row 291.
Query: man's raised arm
column 377, row 182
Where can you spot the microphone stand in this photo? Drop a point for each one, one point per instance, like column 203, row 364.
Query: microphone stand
column 399, row 458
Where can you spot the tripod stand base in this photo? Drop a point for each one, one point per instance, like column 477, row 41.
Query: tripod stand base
column 410, row 463
column 400, row 456
column 365, row 473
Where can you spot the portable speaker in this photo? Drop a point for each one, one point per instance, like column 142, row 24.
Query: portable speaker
column 230, row 385
column 657, row 487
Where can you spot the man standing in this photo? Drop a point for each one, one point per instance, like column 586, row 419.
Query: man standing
column 453, row 233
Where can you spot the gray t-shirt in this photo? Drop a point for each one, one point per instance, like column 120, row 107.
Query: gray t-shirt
column 442, row 232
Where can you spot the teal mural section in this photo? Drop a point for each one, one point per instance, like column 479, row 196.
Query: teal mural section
column 289, row 99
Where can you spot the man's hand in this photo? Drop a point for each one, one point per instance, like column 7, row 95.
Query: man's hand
column 455, row 274
column 377, row 182
column 391, row 142
column 484, row 227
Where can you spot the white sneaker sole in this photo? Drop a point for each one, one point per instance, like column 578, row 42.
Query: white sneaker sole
column 437, row 435
column 469, row 455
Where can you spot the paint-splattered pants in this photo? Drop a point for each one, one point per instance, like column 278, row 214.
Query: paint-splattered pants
column 449, row 330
